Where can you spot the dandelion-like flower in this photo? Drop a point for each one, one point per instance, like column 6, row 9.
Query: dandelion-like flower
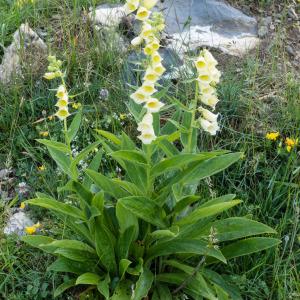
column 208, row 76
column 272, row 136
column 152, row 25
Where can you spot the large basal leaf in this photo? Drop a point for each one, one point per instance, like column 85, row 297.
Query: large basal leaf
column 71, row 244
column 37, row 240
column 200, row 213
column 184, row 202
column 76, row 255
column 246, row 247
column 144, row 209
column 57, row 206
column 109, row 136
column 88, row 278
column 189, row 246
column 209, row 167
column 236, row 228
column 63, row 287
column 123, row 291
column 221, row 199
column 143, row 285
column 105, row 247
column 161, row 292
column 125, row 240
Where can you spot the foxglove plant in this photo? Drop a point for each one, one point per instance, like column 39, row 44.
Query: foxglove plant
column 148, row 234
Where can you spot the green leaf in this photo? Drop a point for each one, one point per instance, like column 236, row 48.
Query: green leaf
column 144, row 209
column 94, row 165
column 83, row 193
column 235, row 228
column 76, row 255
column 168, row 148
column 103, row 287
column 88, row 278
column 129, row 187
column 54, row 145
column 200, row 213
column 123, row 266
column 209, row 167
column 57, row 206
column 166, row 233
column 123, row 291
column 72, row 244
column 125, row 240
column 143, row 285
column 84, row 153
column 109, row 136
column 221, row 199
column 105, row 247
column 130, row 155
column 191, row 246
column 75, row 125
column 184, row 202
column 161, row 292
column 249, row 246
column 63, row 287
column 37, row 240
column 106, row 184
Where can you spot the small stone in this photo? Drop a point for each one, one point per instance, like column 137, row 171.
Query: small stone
column 17, row 223
column 290, row 50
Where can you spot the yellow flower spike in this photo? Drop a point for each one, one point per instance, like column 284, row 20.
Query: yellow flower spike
column 49, row 75
column 41, row 168
column 44, row 133
column 142, row 14
column 62, row 114
column 272, row 136
column 76, row 105
column 22, row 205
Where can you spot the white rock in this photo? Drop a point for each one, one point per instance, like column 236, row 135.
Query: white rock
column 17, row 223
column 23, row 39
column 108, row 15
column 197, row 23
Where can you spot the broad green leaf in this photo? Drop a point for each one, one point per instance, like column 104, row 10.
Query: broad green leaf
column 75, row 125
column 123, row 266
column 190, row 246
column 209, row 167
column 94, row 165
column 71, row 244
column 83, row 193
column 168, row 148
column 109, row 136
column 37, row 240
column 125, row 240
column 221, row 199
column 200, row 213
column 127, row 142
column 184, row 202
column 161, row 292
column 88, row 278
column 144, row 209
column 106, row 184
column 84, row 153
column 126, row 218
column 57, row 206
column 55, row 145
column 76, row 255
column 98, row 201
column 63, row 287
column 143, row 285
column 103, row 287
column 105, row 247
column 130, row 155
column 235, row 228
column 249, row 246
column 123, row 291
column 165, row 233
column 129, row 187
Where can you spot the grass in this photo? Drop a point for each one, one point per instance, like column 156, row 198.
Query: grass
column 259, row 94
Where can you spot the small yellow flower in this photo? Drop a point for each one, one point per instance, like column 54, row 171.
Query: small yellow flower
column 62, row 113
column 76, row 105
column 50, row 75
column 272, row 136
column 22, row 205
column 50, row 118
column 44, row 133
column 32, row 229
column 291, row 142
column 122, row 116
column 61, row 92
column 41, row 168
column 142, row 14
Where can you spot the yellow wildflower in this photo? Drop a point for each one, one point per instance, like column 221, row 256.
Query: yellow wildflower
column 142, row 14
column 76, row 105
column 44, row 133
column 122, row 116
column 50, row 118
column 41, row 168
column 290, row 144
column 32, row 229
column 50, row 75
column 22, row 205
column 62, row 113
column 272, row 136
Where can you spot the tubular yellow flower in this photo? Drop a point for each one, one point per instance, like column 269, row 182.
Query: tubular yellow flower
column 137, row 41
column 147, row 137
column 156, row 58
column 142, row 14
column 153, row 105
column 207, row 115
column 210, row 100
column 44, row 133
column 148, row 88
column 148, row 50
column 22, row 205
column 291, row 142
column 62, row 103
column 272, row 136
column 201, row 65
column 209, row 57
column 150, row 76
column 139, row 97
column 62, row 113
column 61, row 91
column 146, row 123
column 204, row 79
column 159, row 69
column 210, row 127
column 41, row 168
column 131, row 5
column 30, row 230
column 50, row 75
